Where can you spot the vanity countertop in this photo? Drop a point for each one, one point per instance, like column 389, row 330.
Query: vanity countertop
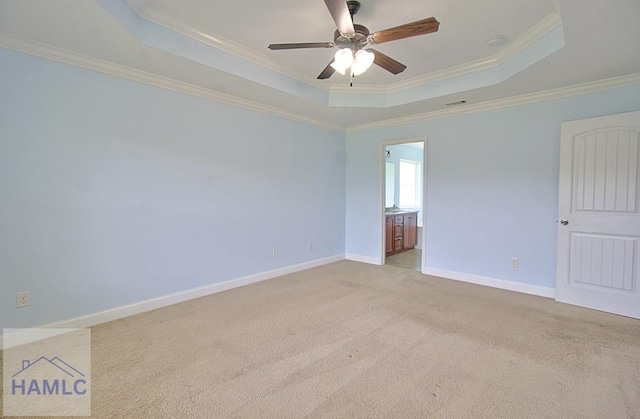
column 398, row 212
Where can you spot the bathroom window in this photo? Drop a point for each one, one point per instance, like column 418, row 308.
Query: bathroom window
column 408, row 179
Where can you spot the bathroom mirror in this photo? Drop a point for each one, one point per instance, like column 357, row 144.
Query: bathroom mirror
column 390, row 181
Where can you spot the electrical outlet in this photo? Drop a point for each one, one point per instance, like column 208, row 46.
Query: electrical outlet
column 22, row 299
column 515, row 262
column 275, row 252
column 309, row 246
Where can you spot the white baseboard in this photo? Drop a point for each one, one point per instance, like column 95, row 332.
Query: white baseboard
column 363, row 259
column 23, row 336
column 492, row 282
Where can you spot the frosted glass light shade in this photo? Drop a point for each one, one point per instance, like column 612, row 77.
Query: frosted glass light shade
column 343, row 60
column 362, row 62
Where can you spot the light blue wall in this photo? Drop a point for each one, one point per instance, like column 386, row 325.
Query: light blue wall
column 492, row 185
column 113, row 192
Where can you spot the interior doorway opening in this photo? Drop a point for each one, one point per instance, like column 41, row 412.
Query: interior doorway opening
column 403, row 191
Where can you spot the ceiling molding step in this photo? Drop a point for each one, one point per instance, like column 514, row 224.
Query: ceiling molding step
column 336, row 92
column 486, row 73
column 530, row 37
column 76, row 59
column 447, row 73
column 168, row 21
column 160, row 37
column 578, row 89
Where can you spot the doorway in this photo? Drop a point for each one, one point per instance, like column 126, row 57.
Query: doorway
column 403, row 203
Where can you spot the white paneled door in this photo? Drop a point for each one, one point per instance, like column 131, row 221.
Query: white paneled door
column 599, row 214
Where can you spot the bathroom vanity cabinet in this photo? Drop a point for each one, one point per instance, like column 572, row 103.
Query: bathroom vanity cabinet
column 401, row 231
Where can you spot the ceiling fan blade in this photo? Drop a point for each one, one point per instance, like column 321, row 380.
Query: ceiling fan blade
column 301, row 45
column 388, row 63
column 340, row 13
column 327, row 72
column 421, row 27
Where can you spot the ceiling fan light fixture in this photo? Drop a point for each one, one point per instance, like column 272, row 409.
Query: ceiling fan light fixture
column 362, row 62
column 355, row 36
column 342, row 60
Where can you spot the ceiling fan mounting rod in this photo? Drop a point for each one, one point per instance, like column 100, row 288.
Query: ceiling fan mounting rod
column 353, row 6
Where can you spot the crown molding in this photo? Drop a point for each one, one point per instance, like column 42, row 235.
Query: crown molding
column 77, row 59
column 173, row 23
column 47, row 51
column 578, row 89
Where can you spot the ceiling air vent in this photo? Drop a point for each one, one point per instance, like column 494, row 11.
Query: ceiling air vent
column 456, row 103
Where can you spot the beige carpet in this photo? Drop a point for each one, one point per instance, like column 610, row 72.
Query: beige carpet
column 350, row 340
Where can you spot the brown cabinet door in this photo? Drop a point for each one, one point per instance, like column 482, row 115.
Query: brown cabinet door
column 410, row 230
column 397, row 244
column 389, row 234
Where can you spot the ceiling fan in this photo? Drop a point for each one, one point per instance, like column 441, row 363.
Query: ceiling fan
column 352, row 38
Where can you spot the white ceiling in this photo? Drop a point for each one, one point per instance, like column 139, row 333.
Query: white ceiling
column 220, row 47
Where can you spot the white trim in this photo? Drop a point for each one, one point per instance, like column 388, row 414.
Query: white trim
column 425, row 182
column 23, row 336
column 66, row 56
column 491, row 282
column 364, row 259
column 578, row 89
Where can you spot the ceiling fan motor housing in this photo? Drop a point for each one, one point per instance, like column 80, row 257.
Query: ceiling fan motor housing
column 360, row 37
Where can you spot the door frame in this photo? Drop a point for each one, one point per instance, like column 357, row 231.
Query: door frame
column 382, row 191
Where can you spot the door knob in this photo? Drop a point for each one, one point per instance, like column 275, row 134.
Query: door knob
column 564, row 221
